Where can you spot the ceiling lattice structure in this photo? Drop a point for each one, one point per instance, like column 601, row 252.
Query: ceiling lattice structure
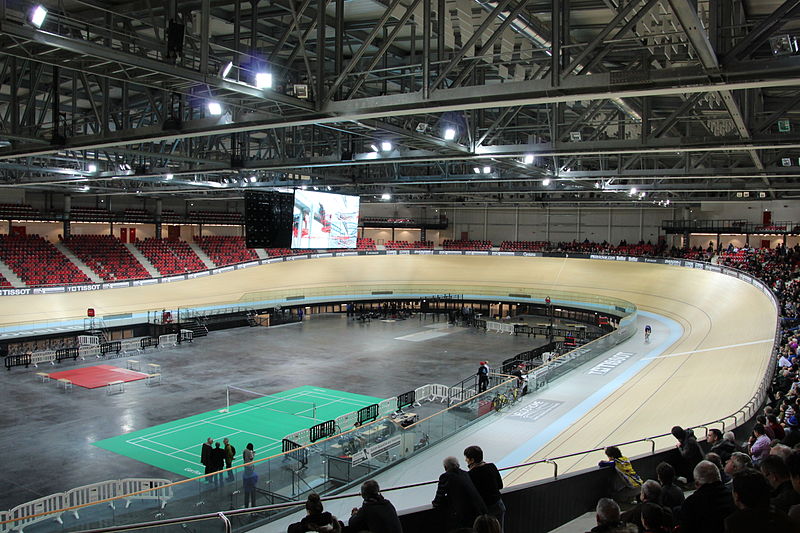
column 546, row 101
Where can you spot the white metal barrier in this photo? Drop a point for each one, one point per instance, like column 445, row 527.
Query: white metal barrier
column 186, row 335
column 88, row 351
column 45, row 356
column 88, row 340
column 156, row 490
column 131, row 345
column 438, row 393
column 501, row 327
column 387, row 407
column 457, row 394
column 46, row 504
column 91, row 494
column 422, row 393
column 170, row 339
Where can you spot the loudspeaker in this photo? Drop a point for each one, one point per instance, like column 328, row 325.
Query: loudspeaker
column 268, row 219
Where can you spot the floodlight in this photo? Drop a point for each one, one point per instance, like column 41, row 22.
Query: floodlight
column 633, row 190
column 226, row 69
column 386, row 146
column 214, row 109
column 487, row 170
column 476, row 170
column 38, row 15
column 263, row 80
column 386, row 196
column 449, row 134
column 528, row 159
column 374, row 147
column 168, row 176
column 546, row 182
column 252, row 179
column 92, row 167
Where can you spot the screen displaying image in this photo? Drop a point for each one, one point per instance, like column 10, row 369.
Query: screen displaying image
column 324, row 220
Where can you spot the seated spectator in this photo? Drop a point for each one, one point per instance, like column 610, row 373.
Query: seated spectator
column 777, row 428
column 793, row 466
column 316, row 519
column 485, row 523
column 457, row 497
column 722, row 447
column 649, row 493
column 376, row 514
column 690, row 451
column 607, row 516
column 761, row 419
column 671, row 495
column 751, row 496
column 717, row 460
column 783, row 495
column 706, row 509
column 781, row 450
column 737, row 462
column 656, row 519
column 759, row 444
column 627, row 482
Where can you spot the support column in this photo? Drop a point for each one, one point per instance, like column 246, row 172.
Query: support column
column 641, row 224
column 426, row 49
column 547, row 224
column 486, row 222
column 610, row 213
column 578, row 226
column 67, row 208
column 159, row 205
column 516, row 224
column 205, row 30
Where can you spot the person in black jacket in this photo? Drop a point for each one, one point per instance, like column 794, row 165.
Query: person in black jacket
column 457, row 497
column 706, row 510
column 205, row 456
column 217, row 462
column 316, row 518
column 722, row 447
column 754, row 512
column 487, row 480
column 690, row 451
column 376, row 514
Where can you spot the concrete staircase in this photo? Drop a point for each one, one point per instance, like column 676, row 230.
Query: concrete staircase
column 261, row 253
column 202, row 255
column 91, row 274
column 12, row 278
column 154, row 273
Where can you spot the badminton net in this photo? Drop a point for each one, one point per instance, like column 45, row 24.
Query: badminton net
column 237, row 399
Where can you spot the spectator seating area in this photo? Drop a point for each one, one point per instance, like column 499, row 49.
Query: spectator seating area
column 405, row 245
column 18, row 212
column 170, row 216
column 37, row 262
column 106, row 256
column 225, row 250
column 524, row 246
column 137, row 215
column 214, row 217
column 170, row 257
column 466, row 245
column 90, row 213
column 365, row 244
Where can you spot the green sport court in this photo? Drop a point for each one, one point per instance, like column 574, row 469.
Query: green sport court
column 175, row 446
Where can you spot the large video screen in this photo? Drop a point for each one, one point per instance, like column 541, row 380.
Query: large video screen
column 324, row 220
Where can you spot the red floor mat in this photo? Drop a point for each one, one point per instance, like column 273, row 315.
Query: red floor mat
column 96, row 376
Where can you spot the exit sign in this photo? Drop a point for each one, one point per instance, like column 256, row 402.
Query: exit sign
column 784, row 126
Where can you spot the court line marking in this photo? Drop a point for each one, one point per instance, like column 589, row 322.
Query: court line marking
column 709, row 349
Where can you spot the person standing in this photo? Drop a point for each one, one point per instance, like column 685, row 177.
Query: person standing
column 230, row 454
column 249, row 482
column 457, row 497
column 205, row 456
column 483, row 376
column 376, row 514
column 487, row 480
column 217, row 462
column 248, row 456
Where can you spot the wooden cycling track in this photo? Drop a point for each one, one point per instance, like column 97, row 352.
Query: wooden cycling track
column 716, row 366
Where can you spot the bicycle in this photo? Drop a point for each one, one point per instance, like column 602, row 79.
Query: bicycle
column 499, row 401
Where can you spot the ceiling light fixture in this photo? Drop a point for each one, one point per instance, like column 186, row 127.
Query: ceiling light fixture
column 214, row 109
column 528, row 159
column 386, row 146
column 449, row 134
column 263, row 80
column 546, row 182
column 91, row 167
column 38, row 14
column 226, row 69
column 487, row 170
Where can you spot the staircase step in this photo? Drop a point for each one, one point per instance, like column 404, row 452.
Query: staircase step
column 11, row 276
column 203, row 256
column 152, row 270
column 83, row 267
